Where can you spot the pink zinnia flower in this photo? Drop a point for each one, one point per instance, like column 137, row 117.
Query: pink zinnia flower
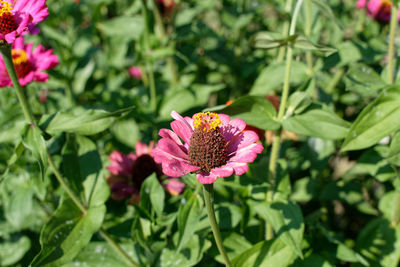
column 19, row 16
column 130, row 170
column 379, row 10
column 135, row 72
column 213, row 145
column 28, row 63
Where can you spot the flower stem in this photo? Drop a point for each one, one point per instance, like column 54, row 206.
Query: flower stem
column 7, row 58
column 307, row 32
column 149, row 66
column 208, row 192
column 282, row 108
column 117, row 248
column 163, row 37
column 393, row 26
column 285, row 31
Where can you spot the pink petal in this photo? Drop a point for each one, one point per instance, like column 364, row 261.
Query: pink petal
column 141, row 149
column 174, row 187
column 170, row 135
column 238, row 168
column 172, row 148
column 247, row 154
column 182, row 130
column 172, row 166
column 243, row 139
column 209, row 178
column 233, row 128
column 178, row 117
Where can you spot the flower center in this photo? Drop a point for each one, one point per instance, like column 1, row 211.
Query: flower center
column 7, row 20
column 207, row 148
column 21, row 63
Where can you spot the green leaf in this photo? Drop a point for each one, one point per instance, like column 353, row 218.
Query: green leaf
column 298, row 102
column 364, row 80
column 152, row 195
column 394, row 152
column 67, row 233
column 301, row 42
column 122, row 26
column 234, row 244
column 286, row 219
column 254, row 110
column 317, row 121
column 378, row 241
column 35, row 143
column 378, row 120
column 265, row 253
column 96, row 190
column 325, row 8
column 268, row 40
column 12, row 250
column 126, row 131
column 70, row 163
column 271, row 77
column 100, row 253
column 18, row 208
column 188, row 217
column 84, row 122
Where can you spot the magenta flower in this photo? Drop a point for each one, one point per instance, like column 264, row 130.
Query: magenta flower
column 28, row 63
column 135, row 72
column 213, row 145
column 130, row 171
column 379, row 10
column 19, row 16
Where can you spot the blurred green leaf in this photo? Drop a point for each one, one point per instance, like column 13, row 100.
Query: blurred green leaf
column 317, row 121
column 85, row 122
column 67, row 233
column 286, row 219
column 122, row 26
column 272, row 76
column 377, row 120
column 254, row 110
column 152, row 195
column 364, row 80
column 188, row 217
column 12, row 250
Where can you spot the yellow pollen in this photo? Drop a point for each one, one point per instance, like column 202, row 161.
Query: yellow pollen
column 206, row 121
column 18, row 56
column 5, row 7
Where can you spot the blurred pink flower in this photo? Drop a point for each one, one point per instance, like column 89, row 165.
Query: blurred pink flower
column 28, row 64
column 166, row 8
column 213, row 145
column 379, row 10
column 130, row 170
column 135, row 72
column 17, row 17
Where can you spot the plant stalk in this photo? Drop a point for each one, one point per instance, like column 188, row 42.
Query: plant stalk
column 285, row 31
column 307, row 32
column 392, row 34
column 7, row 58
column 149, row 66
column 208, row 192
column 282, row 108
column 163, row 36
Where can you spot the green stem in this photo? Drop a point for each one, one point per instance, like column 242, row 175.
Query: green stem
column 117, row 248
column 7, row 58
column 208, row 192
column 163, row 36
column 307, row 32
column 335, row 80
column 149, row 66
column 282, row 108
column 393, row 26
column 285, row 31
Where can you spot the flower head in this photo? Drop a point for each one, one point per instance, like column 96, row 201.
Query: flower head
column 28, row 63
column 166, row 8
column 135, row 72
column 19, row 16
column 379, row 10
column 129, row 171
column 210, row 144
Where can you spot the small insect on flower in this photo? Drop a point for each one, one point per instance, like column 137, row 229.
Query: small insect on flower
column 210, row 144
column 29, row 63
column 17, row 17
